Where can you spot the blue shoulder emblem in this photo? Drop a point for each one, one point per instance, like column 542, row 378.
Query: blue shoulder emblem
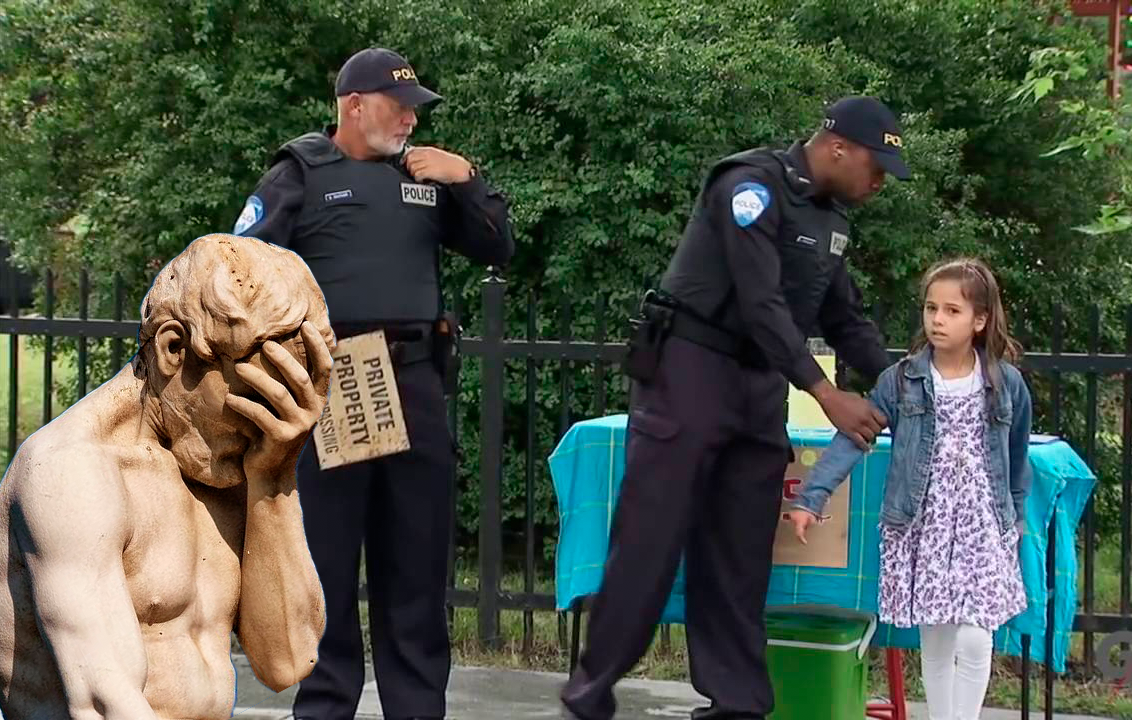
column 748, row 201
column 251, row 214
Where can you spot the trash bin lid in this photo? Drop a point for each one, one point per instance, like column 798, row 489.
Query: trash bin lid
column 829, row 632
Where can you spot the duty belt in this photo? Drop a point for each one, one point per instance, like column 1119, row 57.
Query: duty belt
column 407, row 345
column 688, row 327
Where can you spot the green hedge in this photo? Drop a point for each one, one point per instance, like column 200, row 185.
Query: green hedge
column 151, row 122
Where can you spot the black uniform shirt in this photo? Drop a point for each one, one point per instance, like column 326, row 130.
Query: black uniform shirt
column 479, row 224
column 729, row 267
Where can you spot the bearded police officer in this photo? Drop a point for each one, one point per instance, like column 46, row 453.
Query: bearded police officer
column 760, row 268
column 369, row 215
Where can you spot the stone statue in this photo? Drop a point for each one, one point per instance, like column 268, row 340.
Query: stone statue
column 159, row 513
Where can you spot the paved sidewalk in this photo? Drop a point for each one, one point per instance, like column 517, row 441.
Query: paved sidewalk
column 495, row 694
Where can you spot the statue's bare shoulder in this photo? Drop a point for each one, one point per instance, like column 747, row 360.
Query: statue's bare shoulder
column 69, row 523
column 63, row 486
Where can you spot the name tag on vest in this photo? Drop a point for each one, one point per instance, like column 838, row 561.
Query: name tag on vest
column 838, row 242
column 418, row 194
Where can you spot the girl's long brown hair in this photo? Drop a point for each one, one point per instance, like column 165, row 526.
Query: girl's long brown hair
column 980, row 288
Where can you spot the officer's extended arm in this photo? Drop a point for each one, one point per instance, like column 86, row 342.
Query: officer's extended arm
column 843, row 453
column 269, row 213
column 846, row 328
column 756, row 273
column 480, row 228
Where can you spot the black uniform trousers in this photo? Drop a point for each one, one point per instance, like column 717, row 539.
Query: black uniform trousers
column 399, row 507
column 706, row 453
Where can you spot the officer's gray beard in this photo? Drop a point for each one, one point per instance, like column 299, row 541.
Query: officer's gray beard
column 382, row 146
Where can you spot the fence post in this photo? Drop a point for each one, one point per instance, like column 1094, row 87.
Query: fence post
column 494, row 288
column 13, row 368
column 1051, row 616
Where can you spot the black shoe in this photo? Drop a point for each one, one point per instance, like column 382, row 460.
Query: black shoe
column 567, row 714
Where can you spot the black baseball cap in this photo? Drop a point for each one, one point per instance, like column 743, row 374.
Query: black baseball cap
column 867, row 121
column 381, row 70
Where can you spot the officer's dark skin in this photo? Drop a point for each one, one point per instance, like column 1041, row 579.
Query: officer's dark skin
column 844, row 169
column 849, row 172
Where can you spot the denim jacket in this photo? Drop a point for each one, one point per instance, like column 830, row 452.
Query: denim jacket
column 905, row 395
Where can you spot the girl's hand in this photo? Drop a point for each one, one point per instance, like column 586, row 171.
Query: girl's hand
column 802, row 519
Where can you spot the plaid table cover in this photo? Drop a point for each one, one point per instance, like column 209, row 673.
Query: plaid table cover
column 587, row 466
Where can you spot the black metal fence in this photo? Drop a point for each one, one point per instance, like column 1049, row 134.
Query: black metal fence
column 493, row 350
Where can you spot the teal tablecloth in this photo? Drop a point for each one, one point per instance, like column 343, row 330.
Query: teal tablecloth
column 589, row 462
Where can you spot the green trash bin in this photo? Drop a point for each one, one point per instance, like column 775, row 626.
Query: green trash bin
column 818, row 664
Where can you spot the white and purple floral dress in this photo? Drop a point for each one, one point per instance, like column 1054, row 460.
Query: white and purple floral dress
column 952, row 563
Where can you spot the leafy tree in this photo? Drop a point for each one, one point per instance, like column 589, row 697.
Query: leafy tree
column 148, row 123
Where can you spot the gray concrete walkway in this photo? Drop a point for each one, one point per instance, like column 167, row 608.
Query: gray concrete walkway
column 495, row 694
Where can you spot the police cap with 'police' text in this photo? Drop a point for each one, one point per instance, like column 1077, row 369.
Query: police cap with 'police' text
column 384, row 71
column 867, row 121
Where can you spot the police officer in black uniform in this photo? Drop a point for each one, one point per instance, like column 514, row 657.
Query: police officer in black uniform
column 369, row 216
column 759, row 269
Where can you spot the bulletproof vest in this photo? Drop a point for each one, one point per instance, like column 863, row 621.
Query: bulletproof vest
column 369, row 233
column 812, row 233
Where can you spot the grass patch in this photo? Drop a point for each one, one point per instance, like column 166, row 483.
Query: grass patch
column 1106, row 585
column 30, row 379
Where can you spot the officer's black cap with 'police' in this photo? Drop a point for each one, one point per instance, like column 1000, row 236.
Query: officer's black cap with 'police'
column 867, row 121
column 384, row 71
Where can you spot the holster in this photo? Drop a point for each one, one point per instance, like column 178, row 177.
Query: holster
column 648, row 332
column 446, row 351
column 663, row 316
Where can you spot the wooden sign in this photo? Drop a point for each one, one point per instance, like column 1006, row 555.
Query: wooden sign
column 1093, row 8
column 827, row 542
column 362, row 419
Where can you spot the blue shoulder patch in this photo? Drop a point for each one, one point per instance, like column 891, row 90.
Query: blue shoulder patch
column 748, row 201
column 251, row 214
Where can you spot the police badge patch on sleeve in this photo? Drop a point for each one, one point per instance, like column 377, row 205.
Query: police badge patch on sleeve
column 748, row 201
column 251, row 214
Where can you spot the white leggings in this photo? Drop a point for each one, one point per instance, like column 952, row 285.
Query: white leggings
column 955, row 661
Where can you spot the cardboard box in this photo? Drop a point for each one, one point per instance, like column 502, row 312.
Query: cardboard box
column 362, row 419
column 804, row 410
column 827, row 542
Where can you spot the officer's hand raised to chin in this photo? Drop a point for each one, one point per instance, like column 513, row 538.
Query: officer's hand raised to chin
column 850, row 413
column 429, row 163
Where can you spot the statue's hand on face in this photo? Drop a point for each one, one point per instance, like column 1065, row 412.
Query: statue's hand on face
column 273, row 453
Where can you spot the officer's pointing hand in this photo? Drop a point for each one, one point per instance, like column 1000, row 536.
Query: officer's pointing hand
column 429, row 163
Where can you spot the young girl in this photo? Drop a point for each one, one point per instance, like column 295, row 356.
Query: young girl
column 959, row 413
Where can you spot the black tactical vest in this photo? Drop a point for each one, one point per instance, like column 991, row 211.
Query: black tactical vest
column 812, row 235
column 369, row 233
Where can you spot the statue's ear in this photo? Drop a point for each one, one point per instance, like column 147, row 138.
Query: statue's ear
column 170, row 344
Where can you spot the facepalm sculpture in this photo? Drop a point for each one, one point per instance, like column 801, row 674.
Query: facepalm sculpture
column 159, row 513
